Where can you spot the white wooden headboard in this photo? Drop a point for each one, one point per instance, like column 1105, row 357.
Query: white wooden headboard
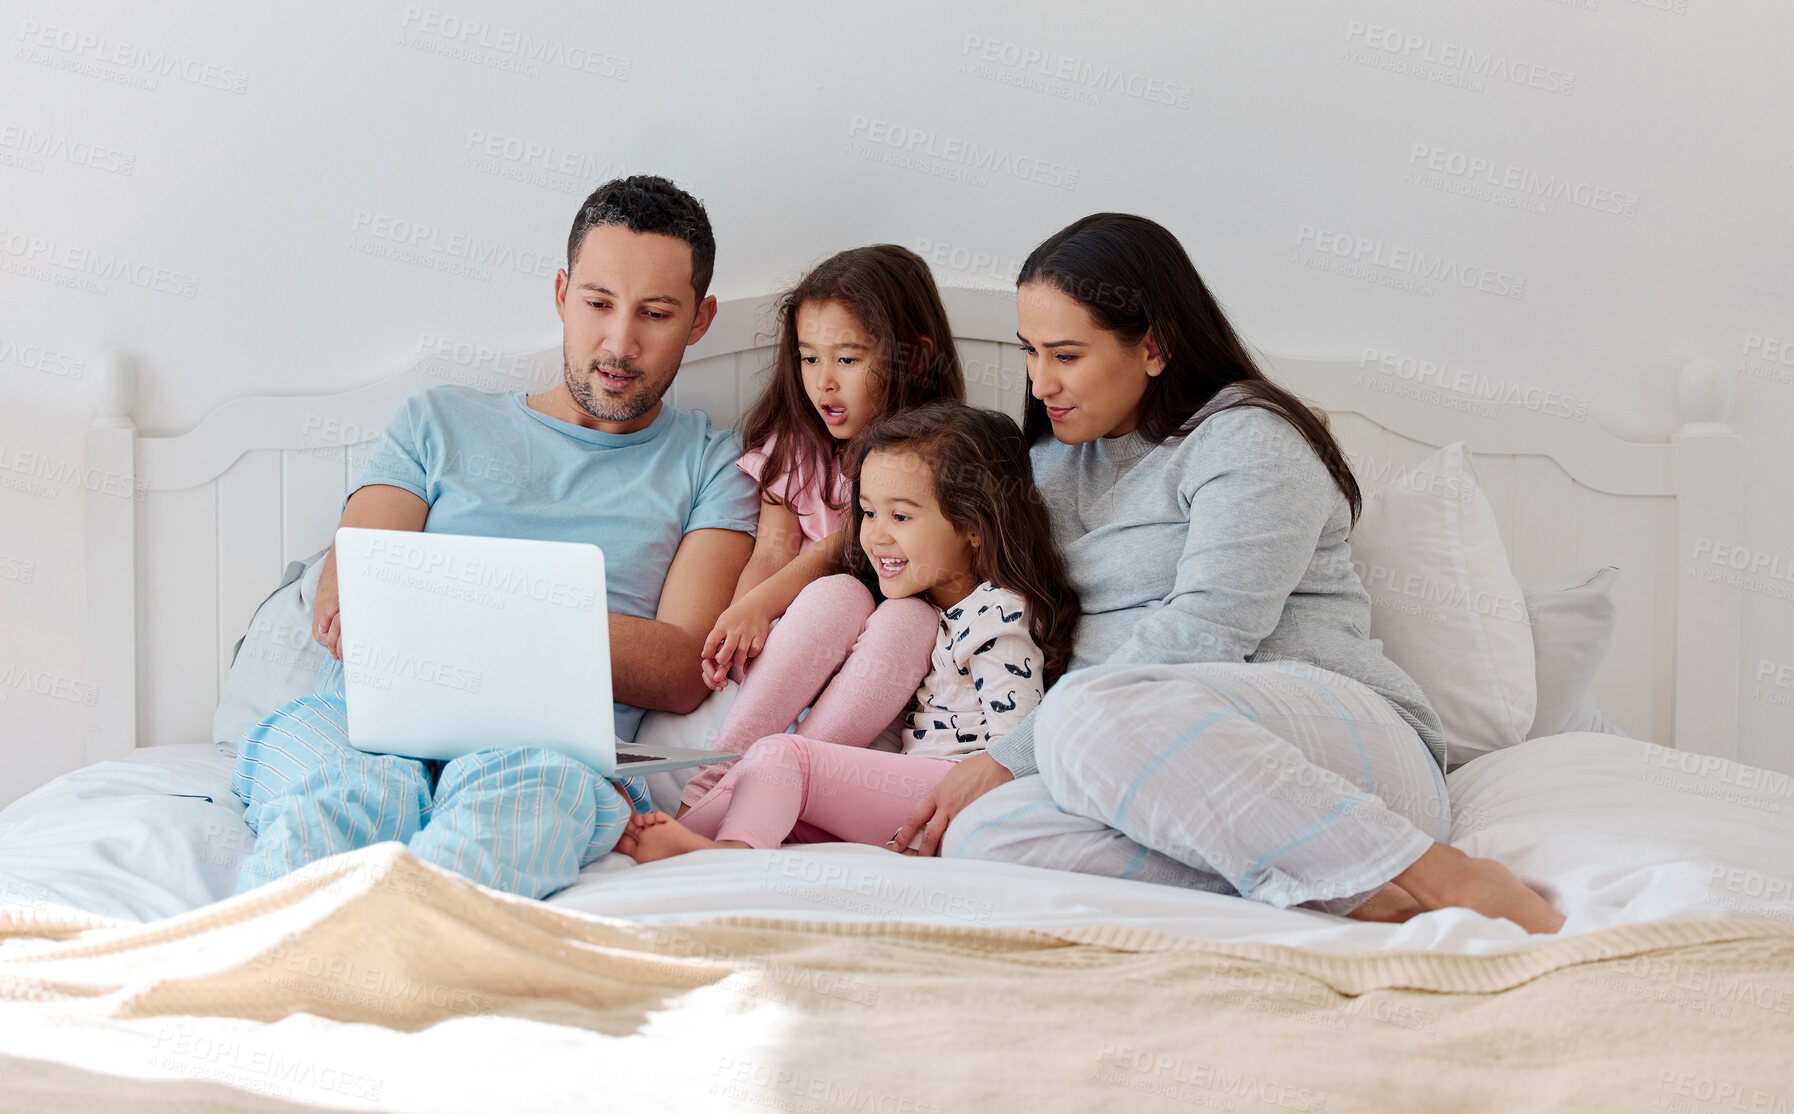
column 175, row 575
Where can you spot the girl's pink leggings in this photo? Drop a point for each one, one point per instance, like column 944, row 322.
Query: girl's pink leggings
column 857, row 795
column 871, row 660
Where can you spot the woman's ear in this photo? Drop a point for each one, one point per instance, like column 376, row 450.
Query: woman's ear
column 1155, row 354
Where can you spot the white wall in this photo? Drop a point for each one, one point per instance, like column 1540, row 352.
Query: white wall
column 222, row 189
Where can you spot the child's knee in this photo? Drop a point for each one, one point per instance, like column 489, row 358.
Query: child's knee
column 839, row 594
column 776, row 752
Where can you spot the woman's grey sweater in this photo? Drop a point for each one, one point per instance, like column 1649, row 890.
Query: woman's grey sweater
column 1228, row 544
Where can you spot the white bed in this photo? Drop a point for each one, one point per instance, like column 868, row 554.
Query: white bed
column 1618, row 832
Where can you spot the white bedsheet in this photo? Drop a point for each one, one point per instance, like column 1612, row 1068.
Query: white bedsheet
column 1614, row 831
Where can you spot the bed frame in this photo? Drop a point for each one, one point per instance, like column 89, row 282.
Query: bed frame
column 174, row 575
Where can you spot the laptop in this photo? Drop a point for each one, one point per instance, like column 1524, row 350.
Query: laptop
column 454, row 644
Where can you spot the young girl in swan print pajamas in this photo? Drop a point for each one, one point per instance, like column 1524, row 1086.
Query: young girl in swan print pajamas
column 941, row 518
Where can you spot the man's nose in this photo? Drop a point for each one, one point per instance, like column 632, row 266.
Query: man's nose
column 618, row 342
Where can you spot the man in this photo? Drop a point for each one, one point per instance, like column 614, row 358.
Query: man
column 600, row 458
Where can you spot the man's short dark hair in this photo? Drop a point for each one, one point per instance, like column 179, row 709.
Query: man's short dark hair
column 644, row 203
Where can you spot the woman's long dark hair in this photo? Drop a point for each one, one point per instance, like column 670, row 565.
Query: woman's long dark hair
column 892, row 293
column 1134, row 278
column 985, row 486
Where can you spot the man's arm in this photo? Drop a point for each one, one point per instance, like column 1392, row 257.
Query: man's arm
column 379, row 507
column 654, row 662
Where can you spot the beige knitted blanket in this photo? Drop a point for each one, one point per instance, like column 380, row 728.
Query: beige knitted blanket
column 375, row 982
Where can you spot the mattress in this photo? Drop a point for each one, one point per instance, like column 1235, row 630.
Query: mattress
column 1613, row 831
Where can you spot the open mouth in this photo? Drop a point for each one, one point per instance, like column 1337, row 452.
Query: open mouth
column 833, row 415
column 891, row 566
column 613, row 382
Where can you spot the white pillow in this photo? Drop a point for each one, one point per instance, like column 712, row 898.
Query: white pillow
column 277, row 659
column 1446, row 606
column 1572, row 626
column 697, row 731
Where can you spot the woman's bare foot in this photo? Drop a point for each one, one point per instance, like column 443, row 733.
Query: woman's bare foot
column 659, row 836
column 1446, row 877
column 1389, row 905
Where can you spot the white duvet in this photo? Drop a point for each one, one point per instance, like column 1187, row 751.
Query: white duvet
column 1612, row 830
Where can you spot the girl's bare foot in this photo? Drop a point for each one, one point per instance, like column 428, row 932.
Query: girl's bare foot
column 1389, row 905
column 628, row 841
column 659, row 836
column 1446, row 877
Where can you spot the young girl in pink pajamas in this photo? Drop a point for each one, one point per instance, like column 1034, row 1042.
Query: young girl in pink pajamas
column 949, row 515
column 863, row 335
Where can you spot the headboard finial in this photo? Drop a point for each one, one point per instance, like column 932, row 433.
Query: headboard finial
column 1704, row 395
column 117, row 388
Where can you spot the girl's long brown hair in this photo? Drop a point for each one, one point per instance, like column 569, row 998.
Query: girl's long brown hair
column 985, row 486
column 890, row 290
column 1134, row 278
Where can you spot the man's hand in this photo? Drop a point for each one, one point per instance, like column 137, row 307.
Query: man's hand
column 966, row 782
column 739, row 634
column 327, row 626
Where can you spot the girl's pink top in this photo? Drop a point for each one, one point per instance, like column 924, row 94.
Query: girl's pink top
column 800, row 490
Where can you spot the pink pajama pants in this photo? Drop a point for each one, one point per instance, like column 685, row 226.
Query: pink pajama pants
column 853, row 794
column 855, row 665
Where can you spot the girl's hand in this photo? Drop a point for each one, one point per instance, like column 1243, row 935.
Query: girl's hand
column 969, row 779
column 739, row 634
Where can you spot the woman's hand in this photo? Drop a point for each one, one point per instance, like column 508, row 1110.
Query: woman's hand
column 739, row 634
column 966, row 782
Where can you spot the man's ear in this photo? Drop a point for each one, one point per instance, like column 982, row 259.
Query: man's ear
column 561, row 283
column 700, row 324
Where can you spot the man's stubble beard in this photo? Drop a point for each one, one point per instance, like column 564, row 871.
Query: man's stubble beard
column 592, row 399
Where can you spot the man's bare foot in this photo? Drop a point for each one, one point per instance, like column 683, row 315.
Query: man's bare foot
column 659, row 836
column 1446, row 877
column 1389, row 905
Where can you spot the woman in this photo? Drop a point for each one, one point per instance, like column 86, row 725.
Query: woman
column 1229, row 724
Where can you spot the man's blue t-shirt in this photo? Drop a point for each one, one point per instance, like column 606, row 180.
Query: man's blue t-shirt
column 488, row 465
